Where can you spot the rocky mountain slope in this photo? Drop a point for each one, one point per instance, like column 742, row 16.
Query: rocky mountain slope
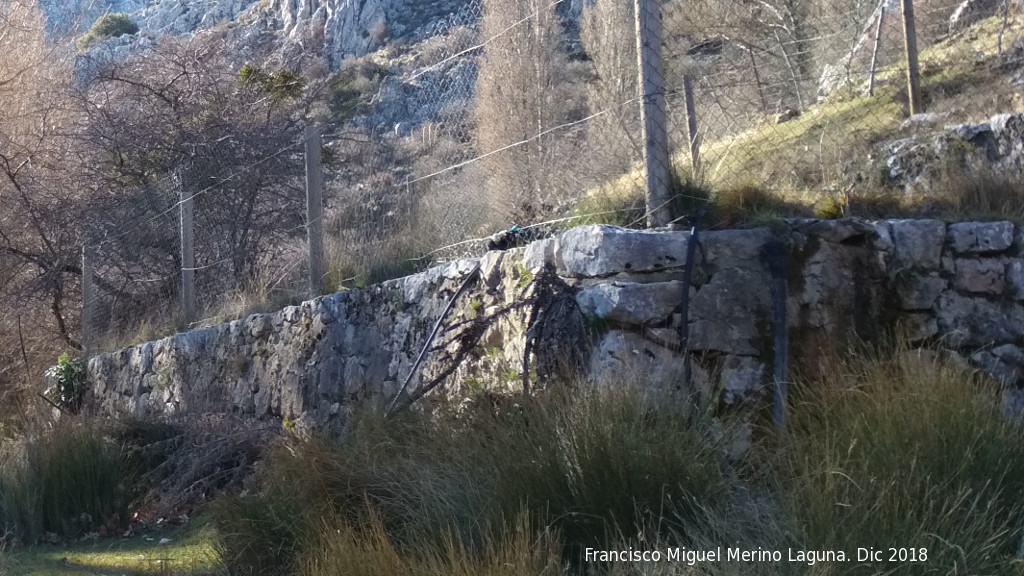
column 333, row 29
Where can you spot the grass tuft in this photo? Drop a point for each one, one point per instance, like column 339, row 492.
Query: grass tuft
column 71, row 481
column 905, row 448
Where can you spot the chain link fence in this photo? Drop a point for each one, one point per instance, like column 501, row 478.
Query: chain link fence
column 527, row 115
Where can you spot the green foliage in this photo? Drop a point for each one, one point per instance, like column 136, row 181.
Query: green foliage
column 352, row 88
column 282, row 85
column 71, row 382
column 107, row 26
column 70, row 481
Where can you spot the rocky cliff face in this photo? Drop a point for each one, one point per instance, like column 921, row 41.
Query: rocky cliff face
column 604, row 301
column 333, row 29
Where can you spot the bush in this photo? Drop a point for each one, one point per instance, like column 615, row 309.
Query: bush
column 70, row 383
column 108, row 26
column 71, row 481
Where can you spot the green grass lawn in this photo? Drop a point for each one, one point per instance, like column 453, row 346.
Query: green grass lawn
column 189, row 552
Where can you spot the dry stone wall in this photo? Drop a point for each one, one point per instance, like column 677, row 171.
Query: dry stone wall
column 603, row 299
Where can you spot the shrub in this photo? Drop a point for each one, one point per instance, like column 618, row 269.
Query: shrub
column 281, row 85
column 70, row 383
column 108, row 26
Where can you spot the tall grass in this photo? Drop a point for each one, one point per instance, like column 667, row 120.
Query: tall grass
column 590, row 466
column 901, row 449
column 69, row 481
column 885, row 449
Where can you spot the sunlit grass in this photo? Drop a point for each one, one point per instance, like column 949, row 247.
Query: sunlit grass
column 830, row 153
column 189, row 552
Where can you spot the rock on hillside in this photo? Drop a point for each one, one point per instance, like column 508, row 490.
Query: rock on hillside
column 334, row 29
column 994, row 148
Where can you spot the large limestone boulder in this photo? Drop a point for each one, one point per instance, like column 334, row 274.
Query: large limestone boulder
column 599, row 251
column 917, row 243
column 631, row 303
column 970, row 12
column 980, row 237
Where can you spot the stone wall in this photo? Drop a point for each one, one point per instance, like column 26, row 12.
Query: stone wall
column 602, row 299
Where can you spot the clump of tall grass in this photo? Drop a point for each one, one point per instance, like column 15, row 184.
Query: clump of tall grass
column 370, row 551
column 68, row 481
column 901, row 449
column 587, row 465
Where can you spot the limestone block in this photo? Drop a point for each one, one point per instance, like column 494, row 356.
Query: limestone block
column 840, row 230
column 742, row 378
column 631, row 303
column 918, row 326
column 980, row 276
column 727, row 315
column 623, row 357
column 734, row 248
column 1015, row 278
column 966, row 321
column 595, row 251
column 918, row 243
column 539, row 253
column 1005, row 364
column 980, row 237
column 919, row 292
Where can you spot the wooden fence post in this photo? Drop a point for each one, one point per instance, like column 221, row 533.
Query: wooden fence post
column 874, row 51
column 314, row 211
column 692, row 128
column 653, row 117
column 188, row 253
column 913, row 67
column 88, row 302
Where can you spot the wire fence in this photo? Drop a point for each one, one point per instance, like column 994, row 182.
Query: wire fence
column 536, row 114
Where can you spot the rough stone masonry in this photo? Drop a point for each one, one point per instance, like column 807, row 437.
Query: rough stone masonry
column 617, row 294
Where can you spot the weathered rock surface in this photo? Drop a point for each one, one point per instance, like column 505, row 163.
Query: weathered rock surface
column 980, row 276
column 598, row 251
column 993, row 149
column 631, row 303
column 971, row 12
column 920, row 292
column 967, row 322
column 980, row 237
column 1005, row 364
column 918, row 243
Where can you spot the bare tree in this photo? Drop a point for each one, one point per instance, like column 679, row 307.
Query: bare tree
column 520, row 97
column 609, row 38
column 182, row 115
